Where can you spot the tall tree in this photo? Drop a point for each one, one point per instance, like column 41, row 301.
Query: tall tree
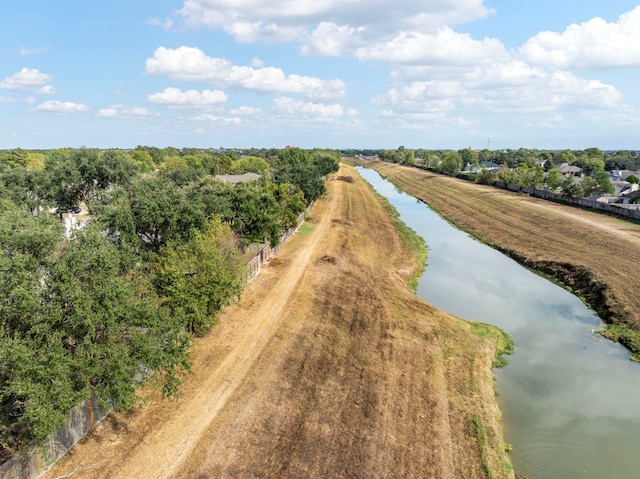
column 198, row 278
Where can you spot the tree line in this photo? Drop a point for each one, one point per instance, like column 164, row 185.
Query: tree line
column 117, row 303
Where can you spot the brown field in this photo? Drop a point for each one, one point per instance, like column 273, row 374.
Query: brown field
column 595, row 255
column 329, row 367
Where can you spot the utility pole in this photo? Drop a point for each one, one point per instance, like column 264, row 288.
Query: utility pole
column 488, row 143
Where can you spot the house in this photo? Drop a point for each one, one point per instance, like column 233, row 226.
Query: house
column 487, row 165
column 235, row 179
column 623, row 175
column 569, row 170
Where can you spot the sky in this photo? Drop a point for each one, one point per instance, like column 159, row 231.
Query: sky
column 433, row 74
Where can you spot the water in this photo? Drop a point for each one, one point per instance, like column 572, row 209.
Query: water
column 569, row 398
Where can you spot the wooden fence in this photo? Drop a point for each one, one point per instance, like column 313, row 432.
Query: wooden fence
column 32, row 465
column 265, row 252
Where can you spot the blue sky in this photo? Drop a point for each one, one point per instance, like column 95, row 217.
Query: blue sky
column 332, row 73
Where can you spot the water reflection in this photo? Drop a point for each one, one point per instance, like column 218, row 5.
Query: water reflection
column 568, row 397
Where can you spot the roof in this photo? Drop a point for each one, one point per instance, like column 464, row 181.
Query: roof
column 566, row 168
column 235, row 179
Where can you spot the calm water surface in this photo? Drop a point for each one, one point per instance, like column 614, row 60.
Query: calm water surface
column 570, row 400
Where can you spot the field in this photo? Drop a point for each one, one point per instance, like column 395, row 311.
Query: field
column 592, row 254
column 329, row 366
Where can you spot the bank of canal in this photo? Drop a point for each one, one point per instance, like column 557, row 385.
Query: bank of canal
column 568, row 396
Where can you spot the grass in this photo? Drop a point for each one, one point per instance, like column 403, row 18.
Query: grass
column 305, row 229
column 626, row 336
column 412, row 241
column 504, row 342
column 481, row 435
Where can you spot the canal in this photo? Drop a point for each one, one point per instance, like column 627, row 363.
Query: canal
column 569, row 398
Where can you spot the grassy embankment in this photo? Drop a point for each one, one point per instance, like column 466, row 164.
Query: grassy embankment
column 593, row 255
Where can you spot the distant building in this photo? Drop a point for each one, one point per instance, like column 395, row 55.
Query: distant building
column 569, row 170
column 235, row 179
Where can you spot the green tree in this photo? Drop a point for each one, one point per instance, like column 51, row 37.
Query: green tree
column 197, row 279
column 451, row 163
column 151, row 211
column 554, row 179
column 571, row 188
column 142, row 159
column 91, row 326
column 307, row 178
column 249, row 164
column 603, row 182
column 326, row 161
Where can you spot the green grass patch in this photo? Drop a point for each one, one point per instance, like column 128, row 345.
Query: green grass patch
column 503, row 342
column 306, row 229
column 623, row 334
column 410, row 239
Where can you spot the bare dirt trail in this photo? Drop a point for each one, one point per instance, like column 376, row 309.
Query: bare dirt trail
column 328, row 367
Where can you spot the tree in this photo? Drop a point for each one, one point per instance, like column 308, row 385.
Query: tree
column 90, row 326
column 326, row 161
column 198, row 278
column 142, row 159
column 307, row 178
column 603, row 183
column 249, row 164
column 590, row 165
column 84, row 174
column 18, row 157
column 151, row 211
column 451, row 163
column 570, row 188
column 554, row 179
column 532, row 176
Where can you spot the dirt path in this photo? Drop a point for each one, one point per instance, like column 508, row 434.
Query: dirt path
column 328, row 367
column 625, row 230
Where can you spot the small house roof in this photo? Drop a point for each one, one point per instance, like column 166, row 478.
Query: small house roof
column 235, row 179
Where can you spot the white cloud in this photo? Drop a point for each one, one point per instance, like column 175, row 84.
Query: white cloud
column 507, row 87
column 62, row 107
column 246, row 111
column 445, row 47
column 120, row 111
column 8, row 99
column 292, row 108
column 25, row 79
column 286, row 20
column 47, row 90
column 176, row 98
column 234, row 120
column 165, row 25
column 330, row 40
column 191, row 64
column 257, row 62
column 594, row 44
column 25, row 52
